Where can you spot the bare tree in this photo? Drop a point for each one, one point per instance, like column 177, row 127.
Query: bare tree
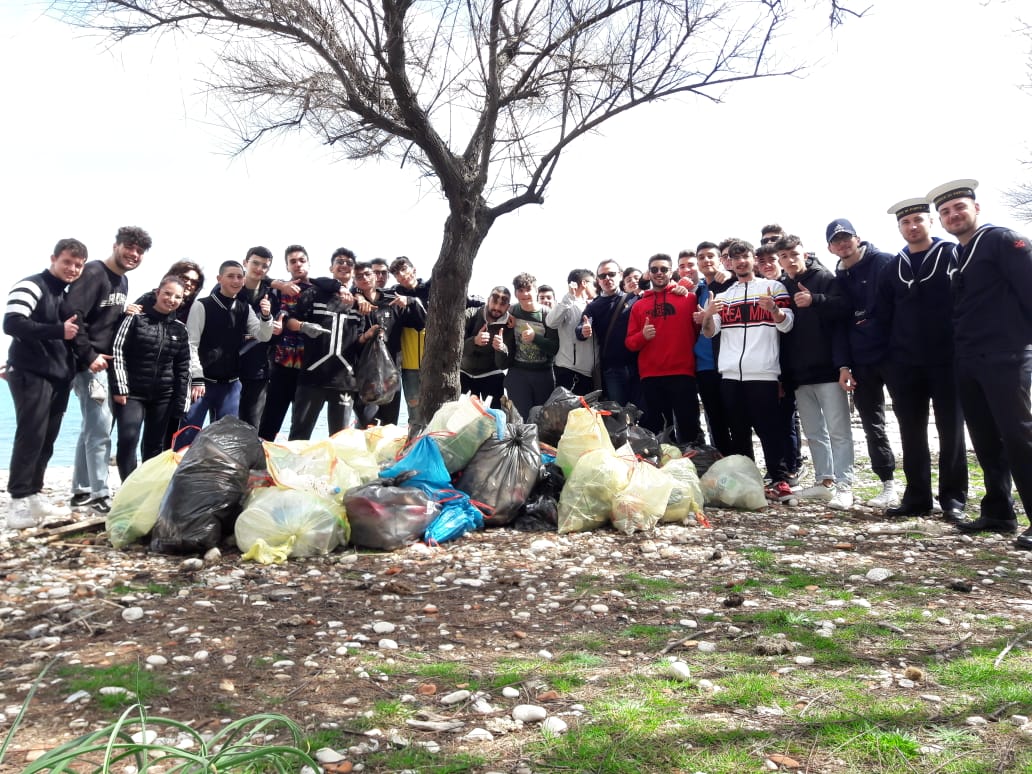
column 482, row 95
column 1019, row 198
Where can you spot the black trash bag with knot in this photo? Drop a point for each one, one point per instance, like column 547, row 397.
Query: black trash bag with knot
column 645, row 443
column 378, row 377
column 617, row 419
column 551, row 417
column 541, row 511
column 503, row 473
column 702, row 455
column 207, row 491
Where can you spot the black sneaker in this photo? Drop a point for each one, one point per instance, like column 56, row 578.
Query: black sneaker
column 101, row 506
column 79, row 499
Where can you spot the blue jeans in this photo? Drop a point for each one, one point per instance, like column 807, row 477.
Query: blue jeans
column 219, row 400
column 93, row 449
column 824, row 414
column 410, row 384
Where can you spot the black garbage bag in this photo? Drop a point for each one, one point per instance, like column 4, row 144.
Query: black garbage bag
column 645, row 443
column 206, row 493
column 386, row 515
column 551, row 419
column 238, row 439
column 503, row 473
column 378, row 377
column 702, row 455
column 541, row 511
column 617, row 419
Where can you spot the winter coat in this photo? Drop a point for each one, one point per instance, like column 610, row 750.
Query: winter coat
column 34, row 320
column 151, row 357
column 817, row 344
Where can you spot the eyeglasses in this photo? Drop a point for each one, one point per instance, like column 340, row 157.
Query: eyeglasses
column 343, row 262
column 607, row 275
column 659, row 269
column 190, row 280
column 768, row 240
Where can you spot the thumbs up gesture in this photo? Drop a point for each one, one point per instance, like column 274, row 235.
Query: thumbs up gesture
column 70, row 328
column 803, row 297
column 586, row 326
column 483, row 337
column 766, row 301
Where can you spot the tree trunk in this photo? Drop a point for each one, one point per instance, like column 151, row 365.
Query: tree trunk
column 439, row 372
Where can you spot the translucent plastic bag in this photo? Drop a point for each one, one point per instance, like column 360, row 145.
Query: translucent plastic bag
column 587, row 499
column 134, row 509
column 350, row 445
column 310, row 466
column 551, row 417
column 386, row 442
column 386, row 516
column 503, row 473
column 734, row 482
column 585, row 431
column 639, row 506
column 686, row 496
column 277, row 515
column 667, row 452
column 460, row 427
column 378, row 377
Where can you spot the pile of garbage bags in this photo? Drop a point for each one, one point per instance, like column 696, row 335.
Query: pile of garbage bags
column 581, row 465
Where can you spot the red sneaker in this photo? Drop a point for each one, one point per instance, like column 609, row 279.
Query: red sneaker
column 781, row 492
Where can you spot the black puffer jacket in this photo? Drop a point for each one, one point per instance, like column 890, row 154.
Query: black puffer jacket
column 151, row 357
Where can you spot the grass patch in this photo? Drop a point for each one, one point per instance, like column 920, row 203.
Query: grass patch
column 158, row 589
column 761, row 558
column 140, row 684
column 417, row 759
column 648, row 589
column 654, row 634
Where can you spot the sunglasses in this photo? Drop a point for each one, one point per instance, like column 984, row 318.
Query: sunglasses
column 659, row 269
column 607, row 275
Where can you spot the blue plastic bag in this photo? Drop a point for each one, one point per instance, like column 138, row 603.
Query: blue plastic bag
column 423, row 457
column 458, row 516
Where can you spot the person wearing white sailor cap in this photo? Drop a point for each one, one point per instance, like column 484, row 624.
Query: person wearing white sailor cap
column 992, row 339
column 913, row 292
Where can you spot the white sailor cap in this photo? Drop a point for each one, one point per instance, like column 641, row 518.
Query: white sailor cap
column 955, row 189
column 909, row 207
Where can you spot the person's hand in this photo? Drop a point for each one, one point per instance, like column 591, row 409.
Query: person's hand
column 265, row 306
column 846, row 380
column 498, row 343
column 71, row 329
column 283, row 286
column 527, row 335
column 649, row 331
column 277, row 324
column 98, row 365
column 586, row 327
column 721, row 275
column 197, row 392
column 803, row 298
column 679, row 290
column 312, row 331
column 767, row 302
column 483, row 337
column 119, row 399
column 400, row 301
column 131, row 309
column 371, row 331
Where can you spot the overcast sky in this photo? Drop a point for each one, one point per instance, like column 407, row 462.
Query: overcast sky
column 916, row 93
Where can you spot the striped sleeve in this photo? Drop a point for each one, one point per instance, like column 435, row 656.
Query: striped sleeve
column 23, row 298
column 118, row 360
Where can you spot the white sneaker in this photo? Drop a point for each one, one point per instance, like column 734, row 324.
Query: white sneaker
column 842, row 500
column 818, row 492
column 887, row 498
column 42, row 509
column 20, row 514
